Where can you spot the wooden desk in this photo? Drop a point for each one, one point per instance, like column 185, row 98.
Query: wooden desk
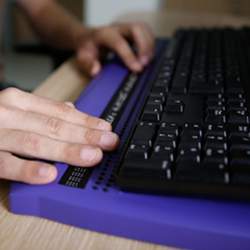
column 23, row 232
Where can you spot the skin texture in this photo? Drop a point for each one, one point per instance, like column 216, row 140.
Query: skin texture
column 115, row 37
column 57, row 27
column 34, row 128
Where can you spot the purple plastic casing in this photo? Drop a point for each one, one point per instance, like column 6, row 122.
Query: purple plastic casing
column 174, row 221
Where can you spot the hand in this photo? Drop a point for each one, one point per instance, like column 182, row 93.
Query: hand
column 36, row 127
column 116, row 37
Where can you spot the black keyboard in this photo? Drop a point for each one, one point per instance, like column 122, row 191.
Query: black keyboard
column 192, row 136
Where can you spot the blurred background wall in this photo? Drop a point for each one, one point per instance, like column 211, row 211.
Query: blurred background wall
column 99, row 12
column 233, row 7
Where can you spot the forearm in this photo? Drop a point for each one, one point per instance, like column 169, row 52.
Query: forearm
column 55, row 25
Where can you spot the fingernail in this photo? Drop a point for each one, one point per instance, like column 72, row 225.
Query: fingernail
column 109, row 139
column 46, row 172
column 90, row 154
column 70, row 104
column 136, row 66
column 96, row 68
column 144, row 60
column 104, row 125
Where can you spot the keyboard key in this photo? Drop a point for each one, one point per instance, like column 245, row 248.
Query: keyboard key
column 238, row 130
column 168, row 140
column 151, row 116
column 190, row 143
column 215, row 142
column 240, row 178
column 156, row 100
column 215, row 161
column 144, row 134
column 160, row 89
column 153, row 108
column 191, row 154
column 216, row 132
column 215, row 103
column 213, row 128
column 171, row 128
column 213, row 152
column 137, row 152
column 194, row 172
column 150, row 169
column 163, row 153
column 238, row 117
column 239, row 141
column 174, row 106
column 215, row 119
column 240, row 159
column 190, row 130
column 216, row 111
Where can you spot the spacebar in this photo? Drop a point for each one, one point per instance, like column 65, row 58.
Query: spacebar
column 193, row 111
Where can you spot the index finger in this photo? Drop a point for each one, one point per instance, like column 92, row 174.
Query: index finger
column 30, row 102
column 143, row 39
column 114, row 40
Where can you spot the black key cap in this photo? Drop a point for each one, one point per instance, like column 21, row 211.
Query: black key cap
column 235, row 90
column 240, row 178
column 238, row 117
column 193, row 111
column 216, row 142
column 213, row 152
column 240, row 159
column 192, row 130
column 148, row 116
column 215, row 130
column 191, row 154
column 137, row 152
column 151, row 169
column 216, row 97
column 212, row 104
column 174, row 106
column 166, row 139
column 144, row 134
column 193, row 172
column 240, row 153
column 236, row 102
column 163, row 153
column 153, row 108
column 160, row 89
column 240, row 141
column 240, row 165
column 189, row 144
column 238, row 130
column 180, row 83
column 215, row 162
column 156, row 100
column 215, row 145
column 159, row 95
column 205, row 89
column 217, row 138
column 216, row 111
column 163, row 80
column 171, row 128
column 215, row 119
